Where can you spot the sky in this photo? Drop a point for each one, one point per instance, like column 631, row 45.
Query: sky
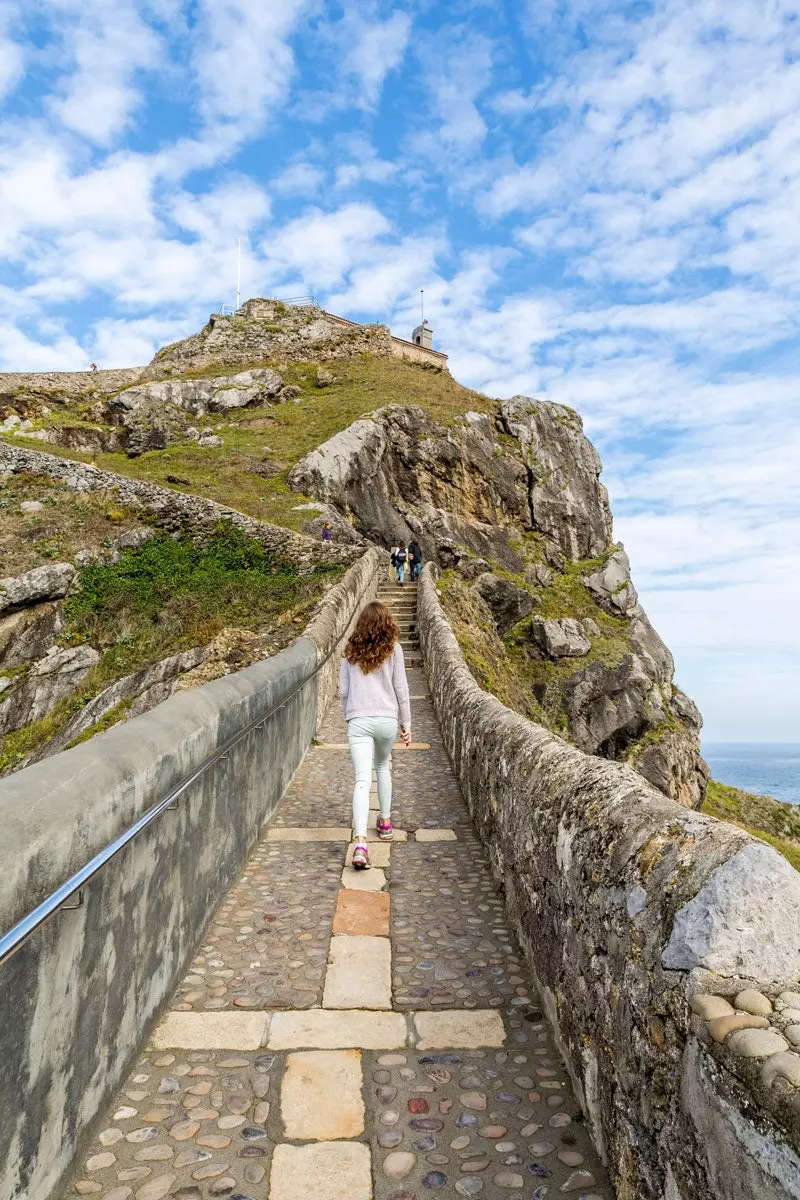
column 600, row 200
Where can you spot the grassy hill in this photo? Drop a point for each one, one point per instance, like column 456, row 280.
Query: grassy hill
column 249, row 477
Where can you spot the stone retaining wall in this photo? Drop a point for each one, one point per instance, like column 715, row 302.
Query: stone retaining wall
column 78, row 998
column 68, row 384
column 176, row 512
column 630, row 907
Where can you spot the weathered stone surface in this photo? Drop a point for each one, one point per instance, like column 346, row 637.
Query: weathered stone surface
column 329, row 1029
column 52, row 679
column 321, row 1095
column 211, row 1031
column 611, row 585
column 781, row 1065
column 365, row 914
column 29, row 633
column 574, row 838
column 720, row 1027
column 736, row 924
column 372, row 880
column 752, row 1001
column 322, row 1171
column 709, row 1007
column 359, row 973
column 324, row 378
column 42, row 583
column 560, row 638
column 435, row 835
column 140, row 683
column 508, row 602
column 756, row 1043
column 459, row 1030
column 567, row 500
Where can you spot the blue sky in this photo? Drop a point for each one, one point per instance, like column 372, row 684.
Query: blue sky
column 601, row 201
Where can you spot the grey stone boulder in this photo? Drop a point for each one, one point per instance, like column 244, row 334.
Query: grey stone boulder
column 201, row 396
column 673, row 764
column 686, row 710
column 31, row 506
column 324, row 378
column 290, row 392
column 611, row 586
column 132, row 539
column 210, row 441
column 608, row 707
column 560, row 638
column 161, row 675
column 472, row 568
column 736, row 924
column 28, row 633
column 539, row 574
column 52, row 679
column 508, row 602
column 566, row 500
column 50, row 582
column 591, row 628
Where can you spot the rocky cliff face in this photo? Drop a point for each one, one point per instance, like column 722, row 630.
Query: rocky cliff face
column 511, row 504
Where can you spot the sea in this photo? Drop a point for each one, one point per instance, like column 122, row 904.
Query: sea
column 768, row 768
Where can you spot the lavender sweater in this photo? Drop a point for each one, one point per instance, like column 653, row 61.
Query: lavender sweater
column 378, row 694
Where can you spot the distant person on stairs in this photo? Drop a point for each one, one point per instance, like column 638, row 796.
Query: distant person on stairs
column 414, row 559
column 399, row 559
column 373, row 689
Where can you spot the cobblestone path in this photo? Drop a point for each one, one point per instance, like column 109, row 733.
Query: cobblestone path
column 352, row 1036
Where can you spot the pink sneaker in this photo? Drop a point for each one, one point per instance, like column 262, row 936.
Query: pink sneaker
column 360, row 857
column 385, row 829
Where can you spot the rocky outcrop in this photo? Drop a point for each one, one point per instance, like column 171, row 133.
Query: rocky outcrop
column 268, row 331
column 28, row 634
column 52, row 679
column 611, row 586
column 519, row 489
column 42, row 583
column 509, row 603
column 564, row 638
column 566, row 500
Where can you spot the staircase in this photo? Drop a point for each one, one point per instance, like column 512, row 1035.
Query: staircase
column 402, row 604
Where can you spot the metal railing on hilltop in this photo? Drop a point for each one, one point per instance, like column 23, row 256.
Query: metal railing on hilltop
column 230, row 310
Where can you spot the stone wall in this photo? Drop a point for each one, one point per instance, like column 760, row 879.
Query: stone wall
column 176, row 512
column 78, row 998
column 62, row 385
column 630, row 908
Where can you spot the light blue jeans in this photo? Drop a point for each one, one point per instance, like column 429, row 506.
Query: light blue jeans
column 401, row 572
column 368, row 736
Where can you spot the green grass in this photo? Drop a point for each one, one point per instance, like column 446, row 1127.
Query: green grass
column 228, row 476
column 164, row 597
column 771, row 820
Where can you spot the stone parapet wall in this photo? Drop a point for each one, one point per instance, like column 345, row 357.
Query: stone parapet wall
column 400, row 348
column 77, row 1000
column 629, row 908
column 173, row 511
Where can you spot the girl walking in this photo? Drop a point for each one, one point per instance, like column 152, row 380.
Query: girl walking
column 374, row 690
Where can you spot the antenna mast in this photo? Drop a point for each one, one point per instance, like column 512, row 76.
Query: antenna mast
column 422, row 306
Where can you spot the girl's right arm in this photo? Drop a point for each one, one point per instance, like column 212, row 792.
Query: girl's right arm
column 344, row 682
column 400, row 685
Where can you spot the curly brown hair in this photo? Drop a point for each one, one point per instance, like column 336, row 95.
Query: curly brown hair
column 373, row 639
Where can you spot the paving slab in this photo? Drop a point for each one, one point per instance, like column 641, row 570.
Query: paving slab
column 321, row 1095
column 211, row 1031
column 364, row 913
column 324, row 1171
column 337, row 1029
column 436, row 835
column 359, row 973
column 371, row 880
column 319, row 833
column 459, row 1030
column 378, row 853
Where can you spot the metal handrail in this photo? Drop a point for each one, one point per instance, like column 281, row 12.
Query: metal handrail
column 23, row 930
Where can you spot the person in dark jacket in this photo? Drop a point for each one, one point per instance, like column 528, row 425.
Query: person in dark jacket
column 414, row 559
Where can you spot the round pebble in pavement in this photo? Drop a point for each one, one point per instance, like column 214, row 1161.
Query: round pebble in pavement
column 460, row 1143
column 388, row 1138
column 509, row 1179
column 538, row 1170
column 470, row 1185
column 398, row 1164
column 390, row 1117
column 434, row 1179
column 540, row 1149
column 425, row 1143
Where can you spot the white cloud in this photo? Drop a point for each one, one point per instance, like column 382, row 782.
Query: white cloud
column 299, row 179
column 377, row 47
